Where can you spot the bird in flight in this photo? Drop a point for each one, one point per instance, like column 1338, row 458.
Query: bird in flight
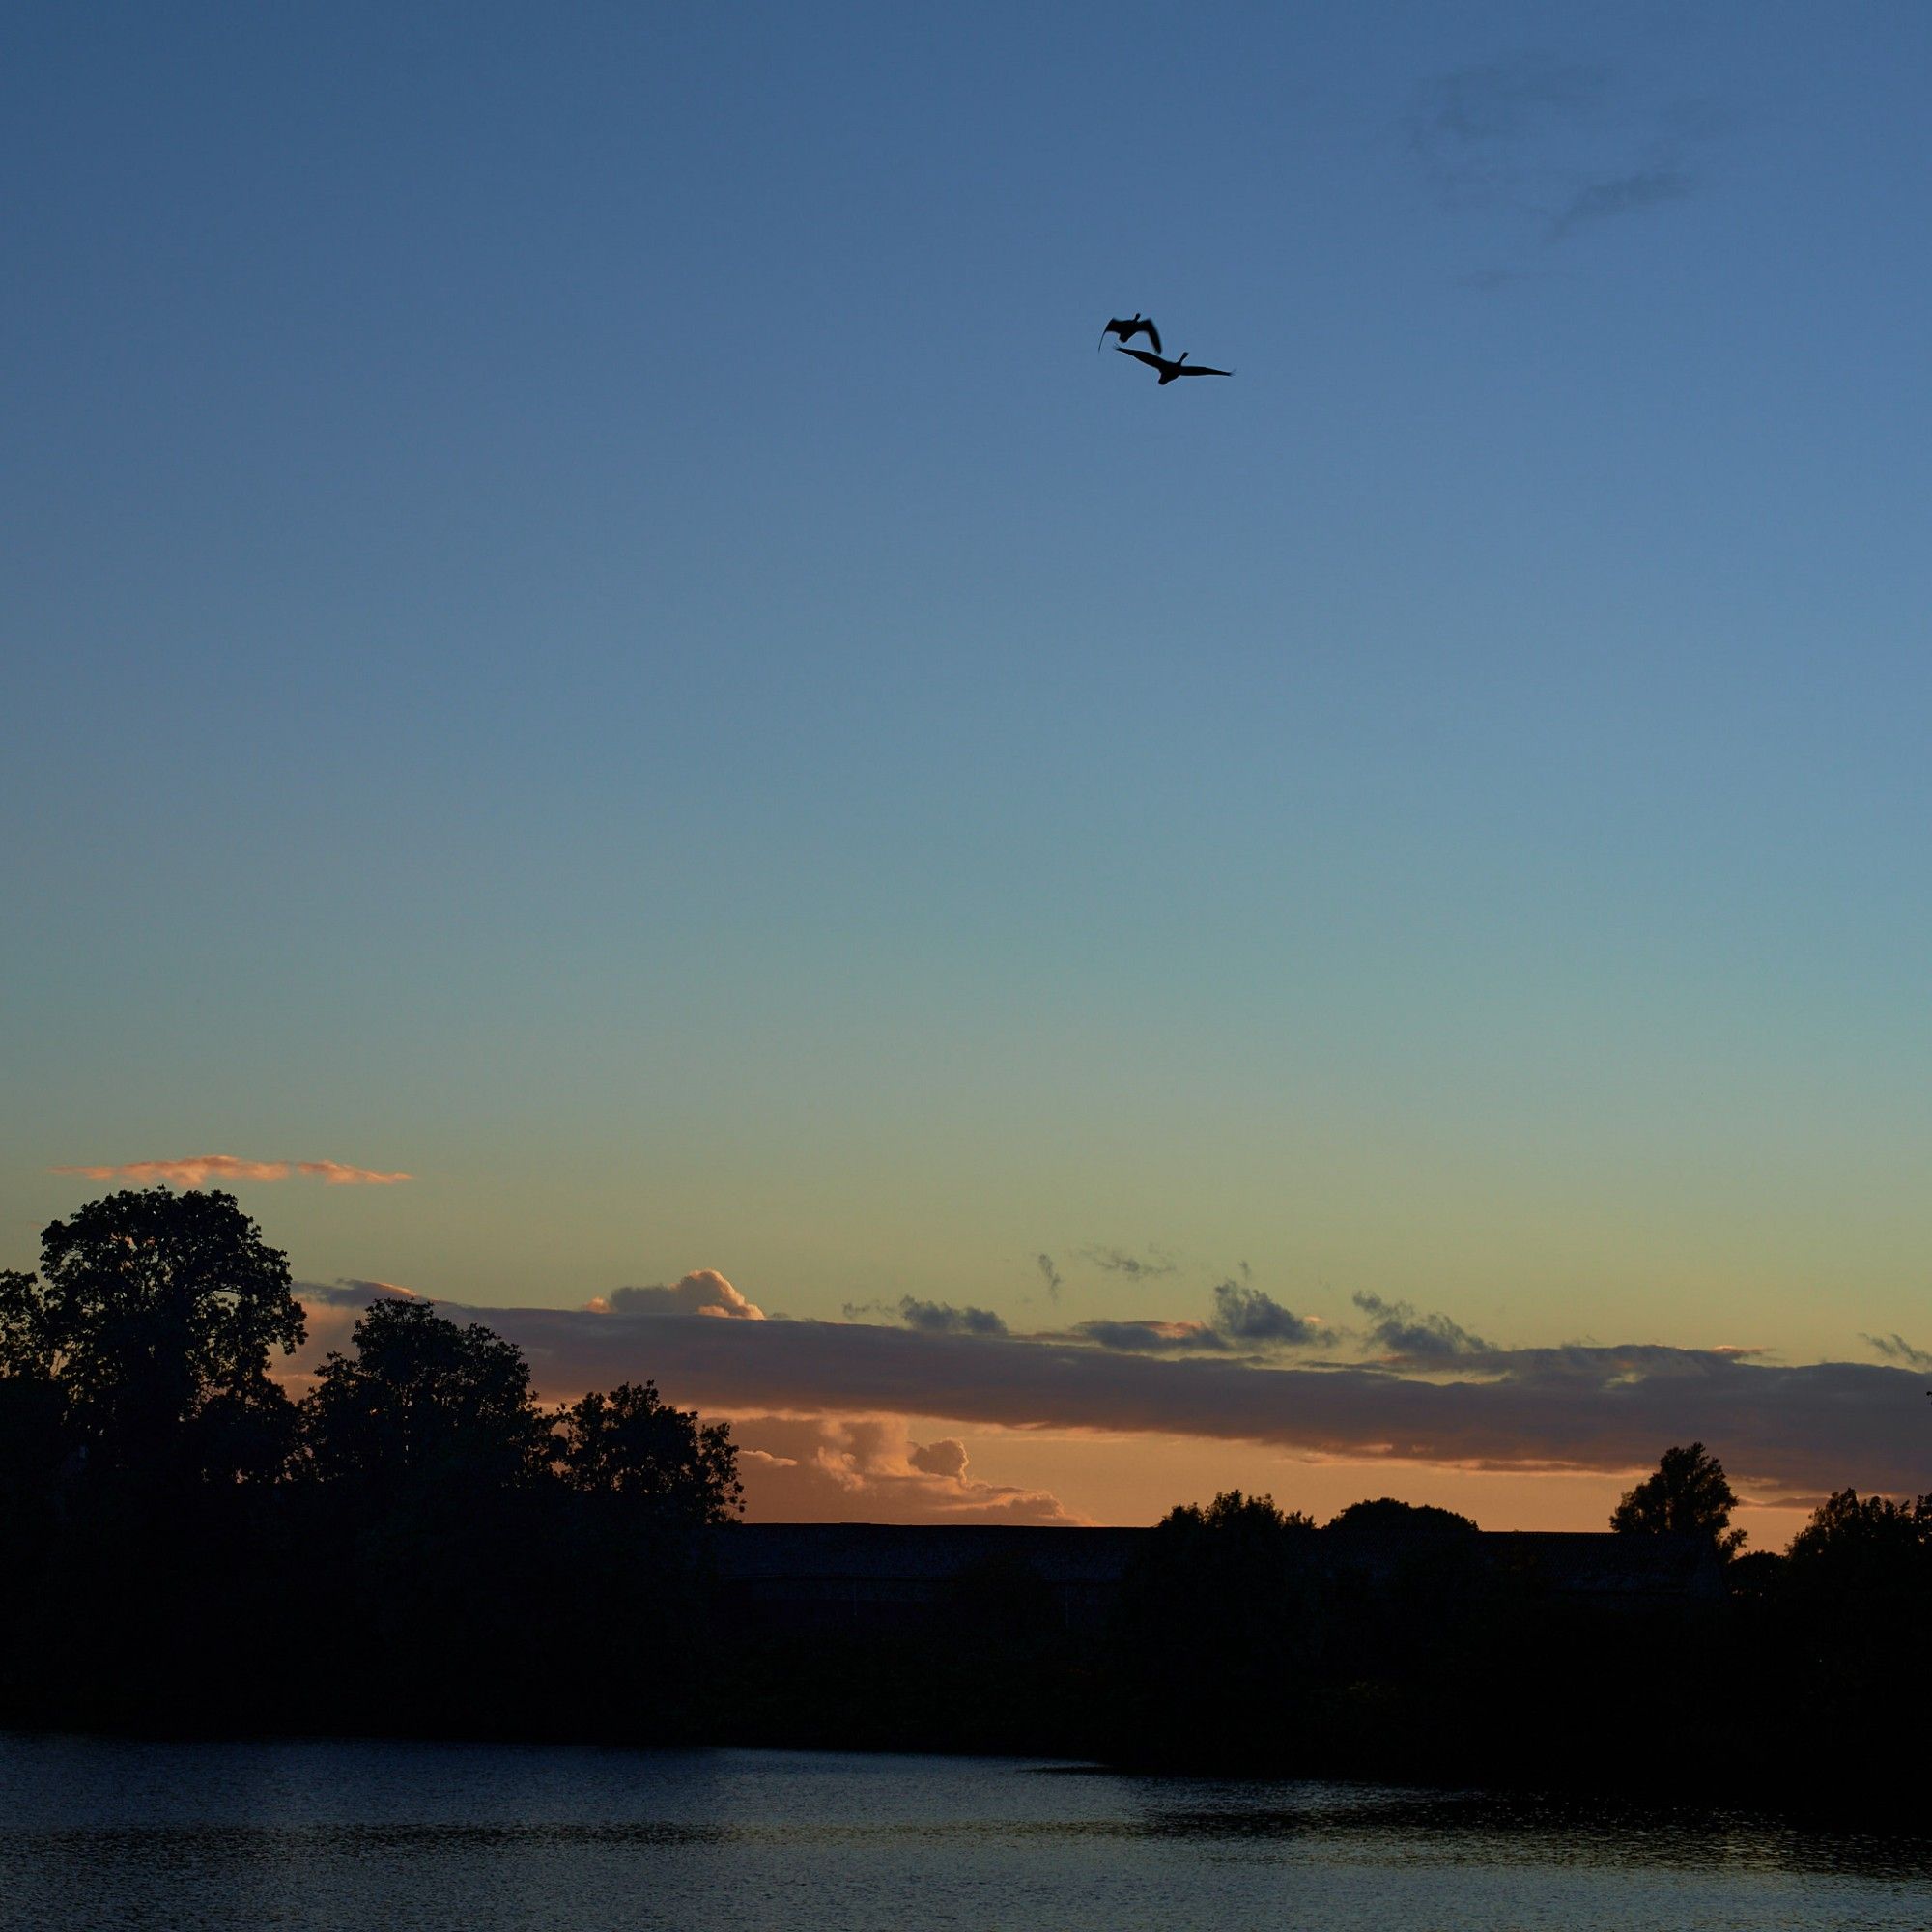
column 1135, row 325
column 1170, row 370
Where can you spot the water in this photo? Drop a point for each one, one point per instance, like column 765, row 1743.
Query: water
column 484, row 1838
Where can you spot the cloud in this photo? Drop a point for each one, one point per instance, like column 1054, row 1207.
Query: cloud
column 1151, row 1338
column 1245, row 1321
column 1245, row 1314
column 1117, row 1261
column 332, row 1174
column 940, row 1318
column 1602, row 200
column 819, row 1468
column 1049, row 1275
column 1564, row 144
column 945, row 1458
column 332, row 1309
column 1408, row 1336
column 1475, row 130
column 1896, row 1349
column 348, row 1291
column 701, row 1292
column 197, row 1168
column 1800, row 1430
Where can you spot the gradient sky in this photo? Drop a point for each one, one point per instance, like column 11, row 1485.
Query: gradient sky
column 584, row 622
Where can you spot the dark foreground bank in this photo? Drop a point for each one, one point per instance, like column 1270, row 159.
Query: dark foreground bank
column 1239, row 1642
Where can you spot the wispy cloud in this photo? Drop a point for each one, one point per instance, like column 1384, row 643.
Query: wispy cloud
column 1896, row 1348
column 1478, row 132
column 941, row 1318
column 1243, row 1313
column 1407, row 1335
column 1049, row 1275
column 334, row 1174
column 701, row 1292
column 1550, row 149
column 931, row 1318
column 1152, row 1338
column 1245, row 1322
column 1149, row 1266
column 1603, row 200
column 196, row 1168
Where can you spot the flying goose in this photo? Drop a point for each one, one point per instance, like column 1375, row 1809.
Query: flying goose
column 1135, row 325
column 1170, row 370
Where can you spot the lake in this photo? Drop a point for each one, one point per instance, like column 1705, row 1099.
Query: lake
column 489, row 1838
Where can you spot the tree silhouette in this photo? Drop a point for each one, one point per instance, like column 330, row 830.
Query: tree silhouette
column 1689, row 1494
column 1866, row 1544
column 632, row 1445
column 1384, row 1515
column 421, row 1398
column 1219, row 1621
column 154, row 1315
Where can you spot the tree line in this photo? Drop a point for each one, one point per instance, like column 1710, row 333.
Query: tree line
column 140, row 1355
column 416, row 1544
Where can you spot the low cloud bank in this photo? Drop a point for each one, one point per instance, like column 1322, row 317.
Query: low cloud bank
column 1429, row 1391
column 1793, row 1430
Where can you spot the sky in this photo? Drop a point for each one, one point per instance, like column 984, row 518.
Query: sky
column 584, row 623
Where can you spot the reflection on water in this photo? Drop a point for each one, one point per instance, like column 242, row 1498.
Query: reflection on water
column 487, row 1838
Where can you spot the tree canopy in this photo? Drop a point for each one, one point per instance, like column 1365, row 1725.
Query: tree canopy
column 631, row 1444
column 1687, row 1493
column 154, row 1315
column 421, row 1397
column 1868, row 1542
column 1385, row 1516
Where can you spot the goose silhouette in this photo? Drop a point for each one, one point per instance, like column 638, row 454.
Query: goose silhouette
column 1135, row 325
column 1170, row 370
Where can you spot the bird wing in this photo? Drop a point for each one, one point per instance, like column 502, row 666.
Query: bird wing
column 1197, row 369
column 1141, row 356
column 1153, row 336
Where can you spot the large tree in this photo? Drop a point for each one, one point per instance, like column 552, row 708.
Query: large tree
column 631, row 1444
column 1865, row 1543
column 155, row 1316
column 1689, row 1494
column 421, row 1398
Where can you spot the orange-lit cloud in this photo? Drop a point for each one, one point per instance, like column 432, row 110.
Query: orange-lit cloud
column 198, row 1168
column 867, row 1468
column 334, row 1174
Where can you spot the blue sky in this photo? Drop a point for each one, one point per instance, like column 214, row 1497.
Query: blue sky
column 584, row 621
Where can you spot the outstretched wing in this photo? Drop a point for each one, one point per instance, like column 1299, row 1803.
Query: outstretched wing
column 1196, row 369
column 1153, row 336
column 1114, row 327
column 1141, row 356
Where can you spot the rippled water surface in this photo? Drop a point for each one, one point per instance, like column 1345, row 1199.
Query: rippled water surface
column 484, row 1838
